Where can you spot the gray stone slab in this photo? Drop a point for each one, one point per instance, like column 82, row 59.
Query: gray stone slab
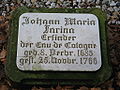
column 58, row 42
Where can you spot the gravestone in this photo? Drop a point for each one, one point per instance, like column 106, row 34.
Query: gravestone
column 51, row 46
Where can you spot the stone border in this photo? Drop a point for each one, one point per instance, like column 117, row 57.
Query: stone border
column 53, row 78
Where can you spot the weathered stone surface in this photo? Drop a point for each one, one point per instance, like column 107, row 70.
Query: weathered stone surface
column 58, row 42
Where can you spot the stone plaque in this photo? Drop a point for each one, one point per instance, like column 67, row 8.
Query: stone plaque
column 58, row 46
column 58, row 42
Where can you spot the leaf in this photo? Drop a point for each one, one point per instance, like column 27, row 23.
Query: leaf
column 95, row 89
column 83, row 88
column 35, row 88
column 58, row 87
column 118, row 83
column 2, row 37
column 3, row 55
column 118, row 75
column 4, row 87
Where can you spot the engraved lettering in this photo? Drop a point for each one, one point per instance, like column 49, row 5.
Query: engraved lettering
column 51, row 41
column 24, row 44
column 39, row 21
column 79, row 45
column 74, row 21
column 26, row 20
column 61, row 29
column 60, row 53
column 57, row 37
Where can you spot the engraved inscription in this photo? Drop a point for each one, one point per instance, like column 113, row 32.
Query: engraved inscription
column 58, row 42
